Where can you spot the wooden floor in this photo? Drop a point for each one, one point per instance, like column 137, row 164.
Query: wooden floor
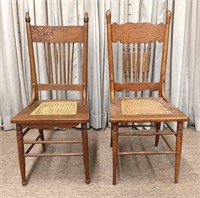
column 138, row 176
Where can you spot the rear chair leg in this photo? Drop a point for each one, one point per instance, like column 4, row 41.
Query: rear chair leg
column 21, row 156
column 85, row 152
column 42, row 138
column 157, row 136
column 111, row 139
column 179, row 138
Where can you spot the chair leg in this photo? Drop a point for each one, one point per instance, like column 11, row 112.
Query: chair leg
column 21, row 156
column 157, row 136
column 42, row 138
column 111, row 139
column 133, row 125
column 115, row 134
column 85, row 152
column 179, row 138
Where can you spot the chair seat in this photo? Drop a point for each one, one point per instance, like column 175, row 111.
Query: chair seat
column 139, row 109
column 56, row 108
column 76, row 114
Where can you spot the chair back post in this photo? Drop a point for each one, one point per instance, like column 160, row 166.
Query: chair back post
column 110, row 56
column 85, row 60
column 164, row 57
column 32, row 60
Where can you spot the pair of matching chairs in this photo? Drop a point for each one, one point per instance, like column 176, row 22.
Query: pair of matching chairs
column 60, row 44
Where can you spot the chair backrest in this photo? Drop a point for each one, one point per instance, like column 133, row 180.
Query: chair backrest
column 136, row 41
column 58, row 44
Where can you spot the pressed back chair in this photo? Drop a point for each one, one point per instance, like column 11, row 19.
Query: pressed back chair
column 137, row 41
column 58, row 45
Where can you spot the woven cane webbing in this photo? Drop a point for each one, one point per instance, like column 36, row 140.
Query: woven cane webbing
column 56, row 108
column 143, row 107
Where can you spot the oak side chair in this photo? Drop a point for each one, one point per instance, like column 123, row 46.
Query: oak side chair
column 59, row 44
column 134, row 109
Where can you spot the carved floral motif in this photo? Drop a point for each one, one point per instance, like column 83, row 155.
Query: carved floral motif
column 58, row 34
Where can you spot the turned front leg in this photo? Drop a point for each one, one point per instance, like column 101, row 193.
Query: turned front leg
column 85, row 152
column 179, row 138
column 21, row 156
column 115, row 136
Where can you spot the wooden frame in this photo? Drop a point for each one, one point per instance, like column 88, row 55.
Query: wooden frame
column 140, row 36
column 53, row 38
